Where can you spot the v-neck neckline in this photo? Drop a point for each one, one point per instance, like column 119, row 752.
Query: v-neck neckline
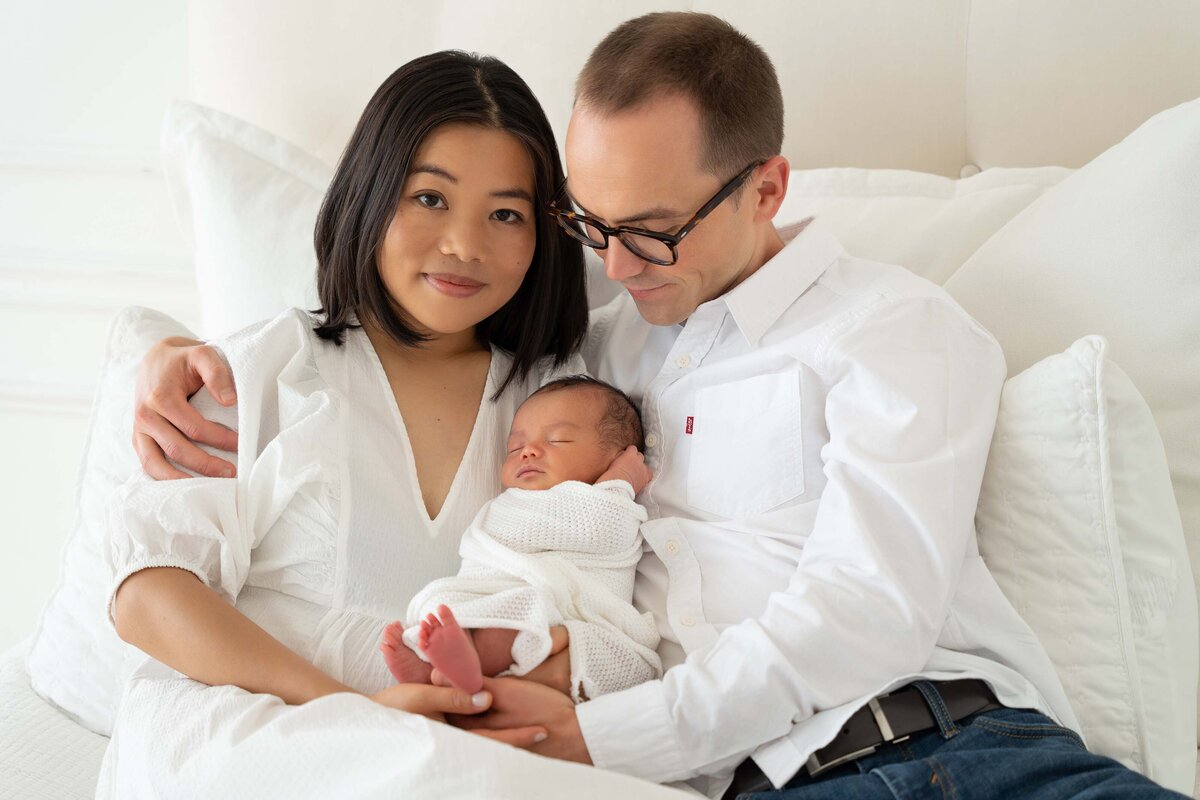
column 401, row 430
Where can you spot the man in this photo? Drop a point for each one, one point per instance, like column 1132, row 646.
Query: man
column 818, row 427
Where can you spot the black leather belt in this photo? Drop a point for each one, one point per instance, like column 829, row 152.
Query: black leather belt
column 885, row 719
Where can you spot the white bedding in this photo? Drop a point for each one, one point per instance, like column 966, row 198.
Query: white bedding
column 44, row 755
column 175, row 737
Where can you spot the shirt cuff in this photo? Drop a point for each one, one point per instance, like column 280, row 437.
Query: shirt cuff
column 630, row 732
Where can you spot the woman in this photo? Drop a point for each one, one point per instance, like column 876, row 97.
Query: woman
column 369, row 433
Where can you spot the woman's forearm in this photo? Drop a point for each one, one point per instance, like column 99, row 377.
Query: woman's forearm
column 170, row 615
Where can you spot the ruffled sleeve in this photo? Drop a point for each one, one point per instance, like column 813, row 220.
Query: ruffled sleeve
column 210, row 526
column 192, row 526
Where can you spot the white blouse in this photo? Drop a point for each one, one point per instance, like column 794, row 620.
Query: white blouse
column 323, row 537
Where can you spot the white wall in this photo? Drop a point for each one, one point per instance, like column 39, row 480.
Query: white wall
column 85, row 228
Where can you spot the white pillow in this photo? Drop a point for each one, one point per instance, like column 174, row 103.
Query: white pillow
column 1078, row 523
column 247, row 202
column 75, row 660
column 928, row 223
column 1114, row 249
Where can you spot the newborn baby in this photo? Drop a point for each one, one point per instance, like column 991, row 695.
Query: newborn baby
column 558, row 548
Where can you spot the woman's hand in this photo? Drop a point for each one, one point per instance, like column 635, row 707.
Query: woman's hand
column 165, row 426
column 629, row 466
column 435, row 702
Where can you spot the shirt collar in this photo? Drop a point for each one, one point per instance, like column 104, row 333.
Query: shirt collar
column 758, row 302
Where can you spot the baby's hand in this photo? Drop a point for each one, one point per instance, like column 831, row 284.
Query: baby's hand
column 629, row 466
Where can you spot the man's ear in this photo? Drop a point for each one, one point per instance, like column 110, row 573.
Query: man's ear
column 770, row 187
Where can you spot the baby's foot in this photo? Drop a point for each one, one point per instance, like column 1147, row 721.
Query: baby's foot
column 405, row 665
column 450, row 649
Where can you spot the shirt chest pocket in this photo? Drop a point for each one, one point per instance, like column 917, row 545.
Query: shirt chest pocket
column 747, row 454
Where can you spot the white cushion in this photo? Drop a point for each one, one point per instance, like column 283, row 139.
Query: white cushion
column 1078, row 524
column 76, row 660
column 247, row 202
column 1115, row 250
column 927, row 223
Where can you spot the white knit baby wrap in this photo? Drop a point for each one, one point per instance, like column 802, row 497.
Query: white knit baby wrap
column 567, row 556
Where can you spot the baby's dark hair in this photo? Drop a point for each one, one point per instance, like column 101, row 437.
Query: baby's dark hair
column 621, row 424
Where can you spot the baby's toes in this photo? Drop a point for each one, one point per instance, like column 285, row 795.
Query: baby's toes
column 447, row 617
column 393, row 634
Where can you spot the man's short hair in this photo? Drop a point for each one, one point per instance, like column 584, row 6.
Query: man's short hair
column 621, row 422
column 729, row 78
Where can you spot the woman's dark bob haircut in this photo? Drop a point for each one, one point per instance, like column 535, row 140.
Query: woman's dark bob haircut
column 548, row 314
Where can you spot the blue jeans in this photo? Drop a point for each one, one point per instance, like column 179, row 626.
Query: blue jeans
column 1005, row 754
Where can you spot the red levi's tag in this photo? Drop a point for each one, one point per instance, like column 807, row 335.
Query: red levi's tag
column 688, row 429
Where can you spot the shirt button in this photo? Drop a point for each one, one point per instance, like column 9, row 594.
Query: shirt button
column 672, row 546
column 687, row 621
column 683, row 361
column 651, row 440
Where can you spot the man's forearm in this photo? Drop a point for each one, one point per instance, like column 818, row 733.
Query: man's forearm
column 173, row 617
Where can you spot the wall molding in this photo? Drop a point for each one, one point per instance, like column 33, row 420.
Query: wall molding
column 15, row 257
column 89, row 157
column 37, row 397
column 61, row 279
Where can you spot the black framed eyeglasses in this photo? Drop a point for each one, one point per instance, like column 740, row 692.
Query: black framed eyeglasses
column 657, row 248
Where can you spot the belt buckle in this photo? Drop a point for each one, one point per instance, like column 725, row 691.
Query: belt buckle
column 815, row 767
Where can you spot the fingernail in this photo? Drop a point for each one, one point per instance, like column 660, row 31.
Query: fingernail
column 480, row 699
column 227, row 396
column 541, row 737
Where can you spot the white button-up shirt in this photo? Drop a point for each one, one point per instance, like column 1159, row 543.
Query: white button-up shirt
column 818, row 437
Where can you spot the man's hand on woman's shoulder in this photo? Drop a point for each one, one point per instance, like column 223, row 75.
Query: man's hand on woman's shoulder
column 165, row 426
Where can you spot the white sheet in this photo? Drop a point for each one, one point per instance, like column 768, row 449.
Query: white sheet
column 44, row 755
